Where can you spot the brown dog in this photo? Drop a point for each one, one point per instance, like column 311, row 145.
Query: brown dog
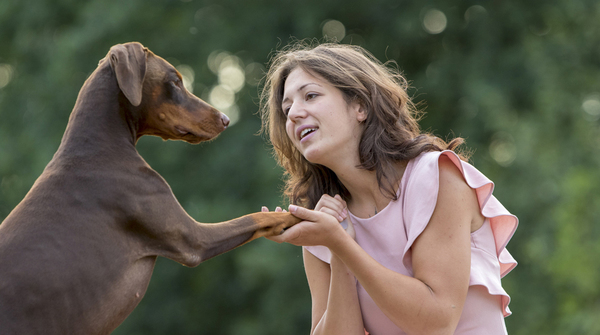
column 76, row 255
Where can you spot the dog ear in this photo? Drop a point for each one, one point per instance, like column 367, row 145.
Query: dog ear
column 129, row 63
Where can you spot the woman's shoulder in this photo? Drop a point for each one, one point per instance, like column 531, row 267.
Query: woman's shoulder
column 427, row 158
column 422, row 172
column 427, row 168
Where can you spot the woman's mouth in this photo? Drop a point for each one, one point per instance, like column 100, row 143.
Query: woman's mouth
column 306, row 132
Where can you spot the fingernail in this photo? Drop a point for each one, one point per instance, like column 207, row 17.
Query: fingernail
column 292, row 208
column 263, row 208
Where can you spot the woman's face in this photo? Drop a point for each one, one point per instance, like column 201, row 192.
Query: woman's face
column 320, row 123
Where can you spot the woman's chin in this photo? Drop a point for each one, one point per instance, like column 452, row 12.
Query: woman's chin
column 313, row 156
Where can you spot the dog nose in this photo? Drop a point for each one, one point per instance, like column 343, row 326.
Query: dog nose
column 225, row 120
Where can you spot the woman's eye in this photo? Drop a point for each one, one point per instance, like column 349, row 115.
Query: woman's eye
column 286, row 111
column 311, row 96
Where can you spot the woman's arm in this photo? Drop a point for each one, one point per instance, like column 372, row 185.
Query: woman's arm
column 431, row 302
column 335, row 307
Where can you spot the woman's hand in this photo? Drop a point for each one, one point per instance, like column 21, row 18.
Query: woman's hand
column 336, row 207
column 320, row 226
column 317, row 228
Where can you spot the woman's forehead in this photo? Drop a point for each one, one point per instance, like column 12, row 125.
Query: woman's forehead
column 299, row 73
column 299, row 79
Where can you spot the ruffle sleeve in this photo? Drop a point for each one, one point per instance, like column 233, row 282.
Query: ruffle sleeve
column 419, row 200
column 321, row 252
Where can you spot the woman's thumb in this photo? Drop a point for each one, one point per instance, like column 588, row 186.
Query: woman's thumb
column 302, row 213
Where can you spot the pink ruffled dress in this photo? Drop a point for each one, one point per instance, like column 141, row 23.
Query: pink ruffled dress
column 389, row 235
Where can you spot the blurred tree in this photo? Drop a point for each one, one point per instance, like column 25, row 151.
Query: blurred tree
column 518, row 80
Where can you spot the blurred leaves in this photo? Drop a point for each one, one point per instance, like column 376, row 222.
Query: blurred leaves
column 519, row 80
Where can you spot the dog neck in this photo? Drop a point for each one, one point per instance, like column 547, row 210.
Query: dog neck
column 101, row 119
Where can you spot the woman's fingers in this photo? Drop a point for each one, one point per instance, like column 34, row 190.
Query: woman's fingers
column 338, row 216
column 303, row 213
column 316, row 228
column 288, row 235
column 334, row 206
column 325, row 201
column 277, row 209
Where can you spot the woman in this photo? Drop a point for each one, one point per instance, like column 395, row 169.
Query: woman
column 423, row 248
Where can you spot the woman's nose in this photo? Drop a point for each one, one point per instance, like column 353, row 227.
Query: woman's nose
column 296, row 111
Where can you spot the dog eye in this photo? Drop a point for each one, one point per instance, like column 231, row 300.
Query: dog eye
column 174, row 91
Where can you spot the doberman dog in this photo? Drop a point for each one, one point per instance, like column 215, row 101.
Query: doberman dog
column 77, row 254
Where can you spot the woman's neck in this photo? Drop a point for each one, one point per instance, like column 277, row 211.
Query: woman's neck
column 367, row 199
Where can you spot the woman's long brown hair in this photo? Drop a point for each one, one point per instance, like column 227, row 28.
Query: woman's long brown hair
column 391, row 130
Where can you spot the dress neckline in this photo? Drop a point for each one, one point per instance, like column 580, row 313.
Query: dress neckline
column 384, row 209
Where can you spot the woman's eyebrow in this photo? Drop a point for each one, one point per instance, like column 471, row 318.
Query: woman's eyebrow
column 285, row 99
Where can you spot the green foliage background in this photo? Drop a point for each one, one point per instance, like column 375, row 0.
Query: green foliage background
column 520, row 80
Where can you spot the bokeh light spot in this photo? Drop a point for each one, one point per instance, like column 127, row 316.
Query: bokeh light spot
column 432, row 72
column 229, row 68
column 591, row 107
column 215, row 59
column 334, row 29
column 188, row 75
column 474, row 12
column 221, row 97
column 6, row 74
column 503, row 149
column 233, row 77
column 434, row 21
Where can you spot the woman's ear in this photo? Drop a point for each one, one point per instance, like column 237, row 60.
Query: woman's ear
column 361, row 112
column 358, row 109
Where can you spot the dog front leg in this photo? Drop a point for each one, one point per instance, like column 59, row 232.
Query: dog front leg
column 167, row 230
column 218, row 238
column 190, row 243
column 197, row 242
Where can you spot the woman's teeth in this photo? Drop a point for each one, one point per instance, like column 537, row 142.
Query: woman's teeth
column 306, row 132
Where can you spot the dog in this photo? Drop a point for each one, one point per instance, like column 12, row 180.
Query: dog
column 77, row 254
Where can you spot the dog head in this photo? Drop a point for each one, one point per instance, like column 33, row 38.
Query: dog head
column 154, row 90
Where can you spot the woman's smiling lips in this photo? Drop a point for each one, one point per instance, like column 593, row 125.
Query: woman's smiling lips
column 304, row 131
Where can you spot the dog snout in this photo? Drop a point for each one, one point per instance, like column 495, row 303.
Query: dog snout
column 225, row 120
